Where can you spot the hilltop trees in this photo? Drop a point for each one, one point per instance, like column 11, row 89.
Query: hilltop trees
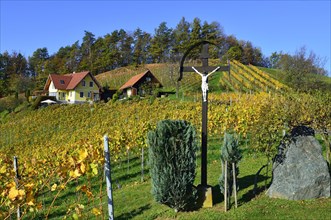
column 300, row 67
column 87, row 52
column 141, row 41
column 122, row 48
column 181, row 36
column 161, row 43
column 14, row 74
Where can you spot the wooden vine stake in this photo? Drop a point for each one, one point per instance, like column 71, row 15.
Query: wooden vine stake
column 225, row 186
column 234, row 184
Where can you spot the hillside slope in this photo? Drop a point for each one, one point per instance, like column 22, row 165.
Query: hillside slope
column 242, row 78
column 116, row 78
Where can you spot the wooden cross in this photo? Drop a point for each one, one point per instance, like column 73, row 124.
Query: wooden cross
column 203, row 71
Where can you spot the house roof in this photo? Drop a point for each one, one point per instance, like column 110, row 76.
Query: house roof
column 68, row 81
column 76, row 78
column 131, row 82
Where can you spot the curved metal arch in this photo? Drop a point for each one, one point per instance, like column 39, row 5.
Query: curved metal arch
column 188, row 51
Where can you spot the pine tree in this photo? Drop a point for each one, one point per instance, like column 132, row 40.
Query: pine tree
column 172, row 157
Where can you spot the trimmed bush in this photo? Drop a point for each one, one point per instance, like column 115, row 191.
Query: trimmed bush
column 172, row 157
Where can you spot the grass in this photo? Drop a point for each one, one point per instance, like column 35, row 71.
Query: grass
column 133, row 199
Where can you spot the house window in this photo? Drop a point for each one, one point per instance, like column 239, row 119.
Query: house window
column 148, row 79
column 89, row 94
column 83, row 83
column 63, row 95
column 81, row 94
column 91, row 84
column 62, row 82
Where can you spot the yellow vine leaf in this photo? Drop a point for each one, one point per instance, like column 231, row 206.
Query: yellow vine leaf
column 3, row 169
column 71, row 161
column 74, row 174
column 21, row 193
column 53, row 188
column 13, row 193
column 82, row 155
column 30, row 199
column 96, row 211
column 94, row 168
column 82, row 168
column 29, row 185
column 75, row 216
column 11, row 185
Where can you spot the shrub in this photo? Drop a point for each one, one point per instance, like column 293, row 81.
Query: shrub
column 172, row 157
column 39, row 99
column 229, row 152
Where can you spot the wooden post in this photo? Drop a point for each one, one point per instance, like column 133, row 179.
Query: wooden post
column 234, row 184
column 142, row 164
column 16, row 182
column 108, row 179
column 225, row 186
column 128, row 161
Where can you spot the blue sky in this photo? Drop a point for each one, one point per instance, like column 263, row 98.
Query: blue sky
column 270, row 25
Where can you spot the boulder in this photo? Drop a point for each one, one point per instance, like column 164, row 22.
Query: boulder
column 299, row 169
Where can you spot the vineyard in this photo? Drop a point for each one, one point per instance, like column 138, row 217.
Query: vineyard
column 249, row 79
column 60, row 148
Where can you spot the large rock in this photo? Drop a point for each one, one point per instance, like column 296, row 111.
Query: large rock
column 299, row 169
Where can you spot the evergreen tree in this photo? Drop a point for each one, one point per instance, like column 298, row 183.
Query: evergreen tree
column 87, row 51
column 172, row 157
column 4, row 73
column 181, row 37
column 111, row 54
column 195, row 37
column 161, row 43
column 141, row 46
column 75, row 58
column 38, row 64
column 124, row 45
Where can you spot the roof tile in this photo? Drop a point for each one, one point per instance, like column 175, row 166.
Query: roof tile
column 68, row 81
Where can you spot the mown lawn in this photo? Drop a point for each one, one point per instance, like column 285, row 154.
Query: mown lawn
column 136, row 202
column 133, row 199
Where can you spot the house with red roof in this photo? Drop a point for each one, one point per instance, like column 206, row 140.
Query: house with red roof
column 141, row 84
column 73, row 87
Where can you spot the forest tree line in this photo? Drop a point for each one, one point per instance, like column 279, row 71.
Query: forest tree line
column 122, row 48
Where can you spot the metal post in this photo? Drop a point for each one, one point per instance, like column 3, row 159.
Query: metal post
column 16, row 182
column 108, row 179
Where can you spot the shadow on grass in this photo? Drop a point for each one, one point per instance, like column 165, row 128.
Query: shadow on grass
column 243, row 183
column 248, row 181
column 248, row 196
column 135, row 212
column 217, row 194
column 129, row 176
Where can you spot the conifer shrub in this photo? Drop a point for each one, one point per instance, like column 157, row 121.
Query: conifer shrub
column 172, row 157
